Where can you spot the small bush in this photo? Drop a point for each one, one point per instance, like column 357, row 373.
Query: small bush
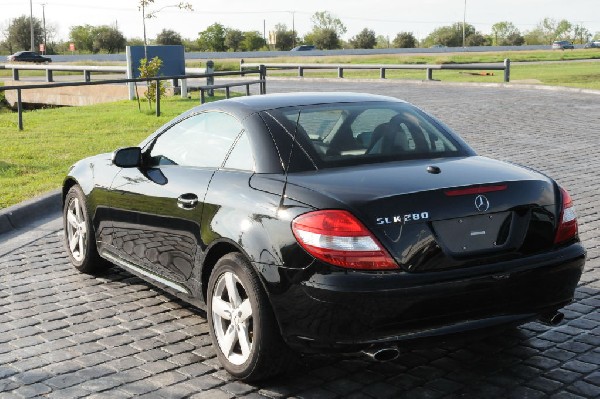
column 151, row 69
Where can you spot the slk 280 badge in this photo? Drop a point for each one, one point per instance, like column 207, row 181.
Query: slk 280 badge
column 409, row 217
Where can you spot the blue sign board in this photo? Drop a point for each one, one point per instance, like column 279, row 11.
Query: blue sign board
column 173, row 59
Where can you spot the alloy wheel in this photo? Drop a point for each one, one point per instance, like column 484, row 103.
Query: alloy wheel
column 232, row 318
column 76, row 227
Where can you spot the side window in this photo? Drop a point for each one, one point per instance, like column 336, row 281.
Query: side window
column 201, row 140
column 241, row 156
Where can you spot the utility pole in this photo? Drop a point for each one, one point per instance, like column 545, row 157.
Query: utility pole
column 44, row 24
column 31, row 23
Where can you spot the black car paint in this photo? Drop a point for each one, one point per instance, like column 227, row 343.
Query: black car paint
column 319, row 305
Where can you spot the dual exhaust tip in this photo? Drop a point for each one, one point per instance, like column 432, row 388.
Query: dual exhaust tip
column 382, row 354
column 552, row 319
column 389, row 353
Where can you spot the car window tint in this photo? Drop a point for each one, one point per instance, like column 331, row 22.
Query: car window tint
column 367, row 121
column 370, row 132
column 201, row 140
column 240, row 156
column 319, row 124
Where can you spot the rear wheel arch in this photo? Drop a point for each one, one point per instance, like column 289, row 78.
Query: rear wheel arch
column 250, row 318
column 215, row 252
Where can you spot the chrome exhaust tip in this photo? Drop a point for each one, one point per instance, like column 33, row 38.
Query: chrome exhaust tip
column 552, row 319
column 382, row 354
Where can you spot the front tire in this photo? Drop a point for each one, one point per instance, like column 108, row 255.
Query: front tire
column 242, row 325
column 80, row 240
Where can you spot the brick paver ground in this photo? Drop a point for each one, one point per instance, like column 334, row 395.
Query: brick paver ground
column 68, row 335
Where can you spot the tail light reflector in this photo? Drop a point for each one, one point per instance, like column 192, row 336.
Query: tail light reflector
column 337, row 237
column 567, row 227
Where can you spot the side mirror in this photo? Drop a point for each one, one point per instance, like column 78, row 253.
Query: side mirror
column 128, row 157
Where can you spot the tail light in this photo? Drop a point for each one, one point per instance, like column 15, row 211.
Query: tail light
column 567, row 228
column 337, row 237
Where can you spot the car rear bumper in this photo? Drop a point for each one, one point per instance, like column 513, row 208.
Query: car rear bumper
column 328, row 308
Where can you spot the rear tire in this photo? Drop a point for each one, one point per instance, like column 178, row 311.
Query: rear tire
column 242, row 325
column 79, row 238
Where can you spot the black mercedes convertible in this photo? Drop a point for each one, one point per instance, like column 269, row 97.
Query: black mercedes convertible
column 308, row 223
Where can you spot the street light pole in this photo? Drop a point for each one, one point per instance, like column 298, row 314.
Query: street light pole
column 464, row 22
column 31, row 23
column 44, row 24
column 293, row 30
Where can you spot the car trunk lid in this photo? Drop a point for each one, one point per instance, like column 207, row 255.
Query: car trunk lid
column 473, row 209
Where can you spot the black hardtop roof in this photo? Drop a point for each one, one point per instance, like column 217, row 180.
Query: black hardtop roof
column 251, row 104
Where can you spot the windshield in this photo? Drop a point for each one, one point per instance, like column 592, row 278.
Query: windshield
column 351, row 133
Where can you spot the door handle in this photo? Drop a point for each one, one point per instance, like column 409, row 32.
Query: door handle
column 187, row 201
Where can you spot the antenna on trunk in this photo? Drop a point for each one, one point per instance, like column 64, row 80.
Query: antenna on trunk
column 287, row 166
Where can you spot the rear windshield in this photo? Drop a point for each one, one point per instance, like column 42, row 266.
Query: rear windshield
column 367, row 132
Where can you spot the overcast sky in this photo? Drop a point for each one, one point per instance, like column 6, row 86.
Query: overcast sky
column 385, row 17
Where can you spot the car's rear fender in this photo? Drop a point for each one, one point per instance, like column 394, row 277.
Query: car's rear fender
column 238, row 216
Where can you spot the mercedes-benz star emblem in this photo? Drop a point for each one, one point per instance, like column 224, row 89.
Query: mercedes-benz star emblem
column 481, row 203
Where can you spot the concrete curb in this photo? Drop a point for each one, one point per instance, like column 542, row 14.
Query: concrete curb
column 27, row 212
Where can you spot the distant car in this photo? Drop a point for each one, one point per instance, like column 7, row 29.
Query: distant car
column 304, row 47
column 438, row 46
column 594, row 44
column 562, row 45
column 325, row 222
column 28, row 56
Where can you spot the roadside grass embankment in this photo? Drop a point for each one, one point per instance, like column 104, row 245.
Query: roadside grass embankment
column 35, row 160
column 583, row 75
column 525, row 67
column 437, row 58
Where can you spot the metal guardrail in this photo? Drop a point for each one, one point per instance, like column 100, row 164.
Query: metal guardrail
column 260, row 71
column 87, row 70
column 429, row 68
column 227, row 86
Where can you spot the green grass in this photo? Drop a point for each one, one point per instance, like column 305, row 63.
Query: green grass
column 585, row 75
column 36, row 159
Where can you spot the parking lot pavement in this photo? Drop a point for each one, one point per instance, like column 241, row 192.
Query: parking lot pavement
column 68, row 335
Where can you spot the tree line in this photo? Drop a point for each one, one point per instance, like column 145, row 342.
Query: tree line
column 326, row 34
